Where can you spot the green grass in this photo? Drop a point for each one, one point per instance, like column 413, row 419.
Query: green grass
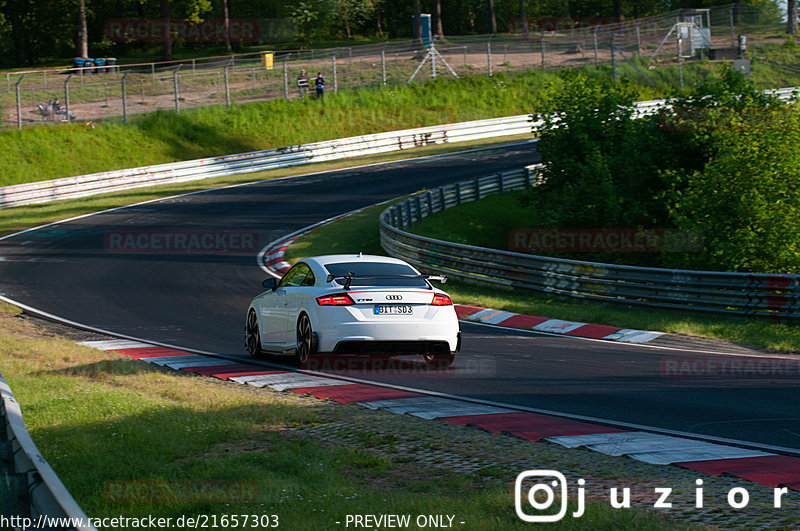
column 131, row 439
column 359, row 232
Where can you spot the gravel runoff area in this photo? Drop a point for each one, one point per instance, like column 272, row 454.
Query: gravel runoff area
column 432, row 447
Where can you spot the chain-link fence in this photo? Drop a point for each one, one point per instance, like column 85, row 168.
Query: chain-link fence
column 97, row 93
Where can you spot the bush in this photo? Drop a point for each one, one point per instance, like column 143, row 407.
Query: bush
column 723, row 162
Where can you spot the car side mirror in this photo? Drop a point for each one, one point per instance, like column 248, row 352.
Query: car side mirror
column 270, row 283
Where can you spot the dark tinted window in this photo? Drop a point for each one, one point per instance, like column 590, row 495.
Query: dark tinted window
column 299, row 275
column 376, row 269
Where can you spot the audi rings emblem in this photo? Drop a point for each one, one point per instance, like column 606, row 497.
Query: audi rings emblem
column 394, row 297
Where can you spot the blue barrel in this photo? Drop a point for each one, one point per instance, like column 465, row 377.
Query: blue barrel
column 100, row 65
column 111, row 64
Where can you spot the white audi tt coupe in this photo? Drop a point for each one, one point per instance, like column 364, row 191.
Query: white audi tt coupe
column 353, row 304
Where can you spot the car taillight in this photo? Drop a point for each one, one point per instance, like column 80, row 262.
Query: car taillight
column 440, row 299
column 340, row 299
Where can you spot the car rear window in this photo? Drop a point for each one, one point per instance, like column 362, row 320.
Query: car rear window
column 386, row 272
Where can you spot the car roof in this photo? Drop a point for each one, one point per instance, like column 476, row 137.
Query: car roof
column 340, row 258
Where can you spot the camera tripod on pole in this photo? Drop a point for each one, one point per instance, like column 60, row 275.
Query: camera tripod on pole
column 432, row 55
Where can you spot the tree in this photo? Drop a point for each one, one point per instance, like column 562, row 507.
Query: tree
column 83, row 37
column 166, row 15
column 226, row 17
column 436, row 19
column 416, row 32
column 523, row 15
column 791, row 17
column 350, row 13
column 492, row 19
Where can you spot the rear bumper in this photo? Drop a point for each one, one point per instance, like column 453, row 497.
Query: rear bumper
column 389, row 338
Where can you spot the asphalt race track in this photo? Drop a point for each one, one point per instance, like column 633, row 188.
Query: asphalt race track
column 119, row 271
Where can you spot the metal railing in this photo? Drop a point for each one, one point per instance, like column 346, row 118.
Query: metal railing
column 47, row 495
column 112, row 181
column 745, row 294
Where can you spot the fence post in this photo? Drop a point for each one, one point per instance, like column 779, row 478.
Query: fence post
column 286, row 77
column 458, row 194
column 489, row 56
column 175, row 87
column 44, row 74
column 680, row 60
column 500, row 183
column 596, row 58
column 638, row 41
column 429, row 200
column 335, row 79
column 433, row 64
column 124, row 98
column 542, row 54
column 733, row 39
column 66, row 97
column 477, row 189
column 465, row 55
column 383, row 65
column 194, row 65
column 227, row 87
column 613, row 61
column 19, row 103
column 442, row 200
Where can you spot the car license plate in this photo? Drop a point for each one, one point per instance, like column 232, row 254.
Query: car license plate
column 393, row 309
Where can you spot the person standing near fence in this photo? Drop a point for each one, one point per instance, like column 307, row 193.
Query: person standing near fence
column 319, row 83
column 302, row 83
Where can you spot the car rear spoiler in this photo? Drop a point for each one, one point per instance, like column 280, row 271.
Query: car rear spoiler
column 350, row 276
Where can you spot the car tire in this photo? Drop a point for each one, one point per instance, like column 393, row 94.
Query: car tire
column 439, row 361
column 252, row 335
column 306, row 340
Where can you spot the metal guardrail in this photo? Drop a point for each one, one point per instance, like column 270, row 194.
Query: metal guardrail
column 112, row 181
column 746, row 294
column 48, row 497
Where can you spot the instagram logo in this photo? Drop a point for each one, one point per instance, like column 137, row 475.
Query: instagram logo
column 541, row 495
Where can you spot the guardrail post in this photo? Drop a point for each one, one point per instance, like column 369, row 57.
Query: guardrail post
column 177, row 95
column 408, row 212
column 458, row 194
column 442, row 200
column 527, row 178
column 418, row 204
column 429, row 199
column 19, row 103
column 477, row 189
column 124, row 82
column 66, row 97
column 500, row 182
column 225, row 75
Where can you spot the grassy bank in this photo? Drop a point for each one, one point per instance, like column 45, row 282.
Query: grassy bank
column 49, row 152
column 359, row 233
column 131, row 439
